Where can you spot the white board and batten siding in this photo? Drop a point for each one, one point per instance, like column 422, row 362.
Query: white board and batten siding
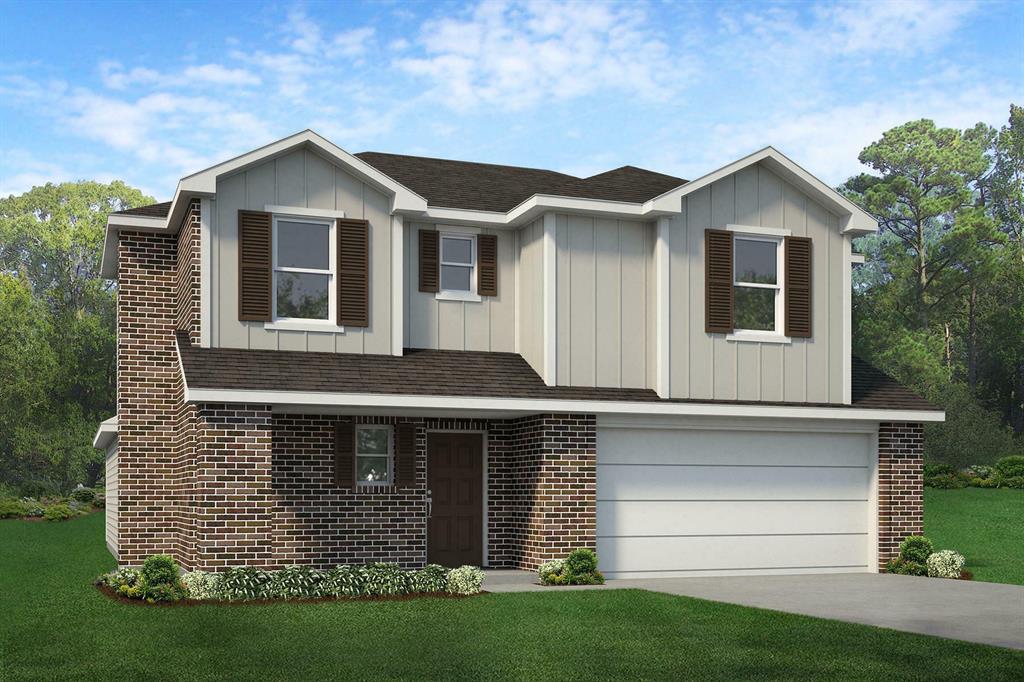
column 485, row 325
column 110, row 499
column 605, row 316
column 301, row 179
column 708, row 366
column 530, row 295
column 710, row 499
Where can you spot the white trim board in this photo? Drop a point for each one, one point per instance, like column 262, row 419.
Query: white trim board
column 286, row 400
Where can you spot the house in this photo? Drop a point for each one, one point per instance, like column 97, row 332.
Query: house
column 327, row 358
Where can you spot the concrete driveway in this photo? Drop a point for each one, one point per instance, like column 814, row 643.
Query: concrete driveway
column 987, row 613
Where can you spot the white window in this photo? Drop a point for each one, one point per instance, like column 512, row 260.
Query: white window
column 757, row 284
column 374, row 461
column 458, row 264
column 304, row 267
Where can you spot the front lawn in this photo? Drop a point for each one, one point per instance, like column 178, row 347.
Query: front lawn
column 986, row 525
column 55, row 625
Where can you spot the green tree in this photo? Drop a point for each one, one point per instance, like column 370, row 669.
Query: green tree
column 58, row 315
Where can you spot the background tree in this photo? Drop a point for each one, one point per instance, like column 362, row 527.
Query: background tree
column 57, row 343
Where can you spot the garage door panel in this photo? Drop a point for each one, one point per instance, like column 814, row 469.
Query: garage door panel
column 674, row 446
column 635, row 482
column 631, row 518
column 700, row 555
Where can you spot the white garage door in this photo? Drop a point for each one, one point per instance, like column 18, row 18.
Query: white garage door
column 678, row 502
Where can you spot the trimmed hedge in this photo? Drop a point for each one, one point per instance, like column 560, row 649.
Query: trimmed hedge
column 579, row 568
column 1007, row 473
column 292, row 582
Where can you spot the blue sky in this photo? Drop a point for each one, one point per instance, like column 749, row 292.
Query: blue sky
column 152, row 91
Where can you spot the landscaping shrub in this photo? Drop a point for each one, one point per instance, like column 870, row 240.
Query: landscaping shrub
column 945, row 482
column 384, row 580
column 83, row 495
column 200, row 585
column 1015, row 482
column 243, row 584
column 916, row 548
column 160, row 569
column 344, row 581
column 550, row 572
column 430, row 578
column 938, row 469
column 59, row 512
column 13, row 509
column 901, row 566
column 127, row 582
column 33, row 508
column 981, row 471
column 465, row 580
column 1011, row 467
column 984, row 483
column 945, row 564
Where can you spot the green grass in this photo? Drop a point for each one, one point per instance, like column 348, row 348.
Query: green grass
column 55, row 625
column 985, row 525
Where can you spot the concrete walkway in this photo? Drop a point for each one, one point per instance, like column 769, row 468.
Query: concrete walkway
column 987, row 613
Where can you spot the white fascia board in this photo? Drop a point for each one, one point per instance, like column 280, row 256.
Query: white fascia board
column 527, row 211
column 108, row 260
column 532, row 406
column 404, row 199
column 853, row 219
column 461, row 217
column 105, row 434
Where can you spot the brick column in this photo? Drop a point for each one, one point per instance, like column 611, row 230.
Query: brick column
column 542, row 486
column 233, row 501
column 900, row 486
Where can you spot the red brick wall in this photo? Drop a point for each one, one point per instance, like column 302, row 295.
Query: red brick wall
column 188, row 273
column 147, row 397
column 900, row 486
column 542, row 486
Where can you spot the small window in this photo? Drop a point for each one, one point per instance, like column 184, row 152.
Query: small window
column 757, row 284
column 458, row 263
column 303, row 269
column 373, row 455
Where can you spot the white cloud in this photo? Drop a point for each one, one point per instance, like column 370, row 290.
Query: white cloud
column 514, row 55
column 892, row 27
column 220, row 75
column 351, row 43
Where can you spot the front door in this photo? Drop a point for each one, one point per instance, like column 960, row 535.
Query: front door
column 455, row 482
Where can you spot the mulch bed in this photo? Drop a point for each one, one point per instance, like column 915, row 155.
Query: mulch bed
column 110, row 593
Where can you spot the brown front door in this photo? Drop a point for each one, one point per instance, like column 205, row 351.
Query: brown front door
column 455, row 481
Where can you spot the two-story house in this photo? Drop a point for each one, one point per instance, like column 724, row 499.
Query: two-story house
column 332, row 358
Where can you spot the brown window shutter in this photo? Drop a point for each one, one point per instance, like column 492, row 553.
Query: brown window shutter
column 429, row 262
column 405, row 455
column 798, row 286
column 254, row 263
column 344, row 455
column 353, row 272
column 487, row 265
column 718, row 281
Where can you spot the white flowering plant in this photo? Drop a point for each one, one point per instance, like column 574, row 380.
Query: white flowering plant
column 945, row 564
column 550, row 572
column 465, row 580
column 200, row 585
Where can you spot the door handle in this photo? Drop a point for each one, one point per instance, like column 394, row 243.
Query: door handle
column 430, row 505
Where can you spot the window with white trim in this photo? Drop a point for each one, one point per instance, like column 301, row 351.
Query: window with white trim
column 757, row 284
column 374, row 454
column 458, row 263
column 304, row 268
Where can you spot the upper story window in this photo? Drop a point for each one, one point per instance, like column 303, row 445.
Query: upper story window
column 458, row 263
column 757, row 284
column 304, row 269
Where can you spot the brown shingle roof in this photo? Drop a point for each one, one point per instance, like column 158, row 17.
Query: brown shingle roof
column 489, row 187
column 449, row 373
column 152, row 210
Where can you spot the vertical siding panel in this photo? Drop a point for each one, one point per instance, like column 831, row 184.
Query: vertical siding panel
column 501, row 318
column 581, row 301
column 769, row 202
column 747, row 212
column 423, row 308
column 723, row 212
column 348, row 197
column 836, row 266
column 795, row 354
column 771, row 372
column 748, row 371
column 817, row 346
column 407, row 285
column 291, row 179
column 608, row 283
column 260, row 190
column 563, row 302
column 633, row 306
column 377, row 209
column 230, row 198
column 679, row 306
column 320, row 342
column 650, row 307
column 769, row 197
column 214, row 274
column 698, row 219
column 319, row 182
column 451, row 325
